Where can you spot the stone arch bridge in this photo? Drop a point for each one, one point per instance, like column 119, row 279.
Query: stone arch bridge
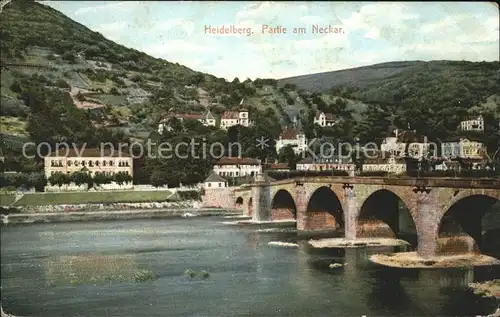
column 372, row 206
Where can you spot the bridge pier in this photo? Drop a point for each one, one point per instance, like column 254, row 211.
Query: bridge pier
column 261, row 199
column 301, row 206
column 351, row 212
column 427, row 226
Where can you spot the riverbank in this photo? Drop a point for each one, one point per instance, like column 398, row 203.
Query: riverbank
column 413, row 260
column 105, row 206
column 113, row 215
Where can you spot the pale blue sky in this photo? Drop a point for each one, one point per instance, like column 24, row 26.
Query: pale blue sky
column 373, row 33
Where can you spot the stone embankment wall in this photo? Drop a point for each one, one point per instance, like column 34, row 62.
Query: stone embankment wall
column 219, row 198
column 109, row 207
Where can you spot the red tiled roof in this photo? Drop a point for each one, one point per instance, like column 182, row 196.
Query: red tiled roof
column 410, row 137
column 237, row 161
column 81, row 152
column 289, row 134
column 193, row 116
column 328, row 116
column 277, row 166
column 230, row 115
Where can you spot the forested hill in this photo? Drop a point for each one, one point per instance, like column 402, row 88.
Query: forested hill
column 359, row 76
column 396, row 73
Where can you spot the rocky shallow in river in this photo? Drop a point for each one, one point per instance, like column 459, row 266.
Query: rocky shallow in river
column 358, row 243
column 413, row 260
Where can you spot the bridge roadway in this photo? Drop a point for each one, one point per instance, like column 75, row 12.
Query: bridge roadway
column 369, row 206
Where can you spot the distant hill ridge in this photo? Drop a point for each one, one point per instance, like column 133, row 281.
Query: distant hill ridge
column 366, row 75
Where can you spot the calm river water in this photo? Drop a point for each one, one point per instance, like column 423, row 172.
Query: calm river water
column 50, row 270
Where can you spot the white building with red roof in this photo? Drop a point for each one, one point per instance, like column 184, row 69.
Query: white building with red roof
column 324, row 119
column 293, row 137
column 206, row 119
column 231, row 118
column 237, row 167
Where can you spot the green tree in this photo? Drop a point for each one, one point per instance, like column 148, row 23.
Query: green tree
column 101, row 178
column 61, row 83
column 121, row 178
column 15, row 87
column 79, row 178
column 157, row 178
column 114, row 91
column 59, row 179
column 287, row 155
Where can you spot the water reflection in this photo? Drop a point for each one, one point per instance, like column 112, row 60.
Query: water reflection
column 387, row 294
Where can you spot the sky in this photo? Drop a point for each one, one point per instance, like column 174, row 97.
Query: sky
column 367, row 33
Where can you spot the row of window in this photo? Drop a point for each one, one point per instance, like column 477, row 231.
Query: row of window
column 210, row 184
column 91, row 173
column 238, row 166
column 89, row 163
column 235, row 174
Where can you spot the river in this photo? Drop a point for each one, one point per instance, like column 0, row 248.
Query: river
column 49, row 270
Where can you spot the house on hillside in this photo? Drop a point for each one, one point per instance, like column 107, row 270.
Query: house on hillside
column 460, row 147
column 385, row 162
column 324, row 119
column 293, row 137
column 206, row 119
column 473, row 124
column 231, row 118
column 406, row 143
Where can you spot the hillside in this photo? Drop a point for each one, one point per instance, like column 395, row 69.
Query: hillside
column 135, row 87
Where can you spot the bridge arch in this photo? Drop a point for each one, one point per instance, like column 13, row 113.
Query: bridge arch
column 324, row 211
column 386, row 213
column 470, row 223
column 239, row 201
column 283, row 206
